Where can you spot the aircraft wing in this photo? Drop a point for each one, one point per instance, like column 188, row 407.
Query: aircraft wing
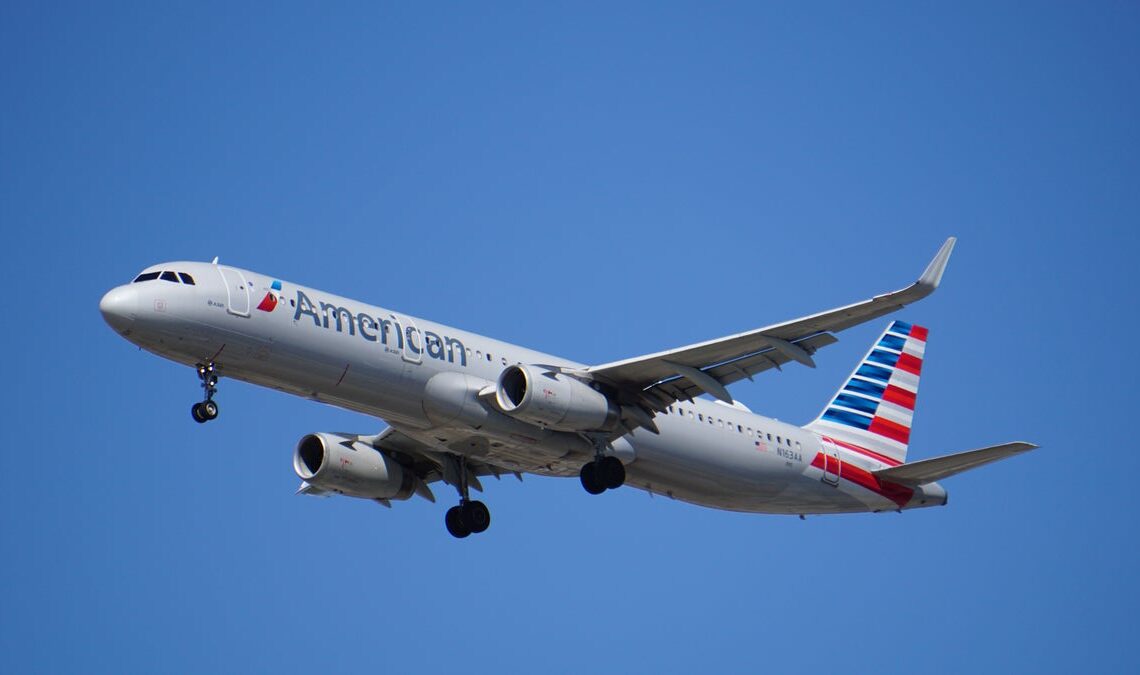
column 682, row 374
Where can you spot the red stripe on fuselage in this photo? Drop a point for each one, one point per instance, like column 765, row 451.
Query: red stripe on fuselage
column 899, row 396
column 899, row 494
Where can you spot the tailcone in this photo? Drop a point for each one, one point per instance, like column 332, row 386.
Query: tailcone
column 928, row 494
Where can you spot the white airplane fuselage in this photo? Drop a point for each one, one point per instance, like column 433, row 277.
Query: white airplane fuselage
column 402, row 369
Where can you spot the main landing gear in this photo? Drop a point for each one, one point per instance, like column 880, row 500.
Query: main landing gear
column 470, row 516
column 206, row 410
column 606, row 472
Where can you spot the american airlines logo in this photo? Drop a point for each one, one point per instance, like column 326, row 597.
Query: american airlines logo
column 269, row 302
column 370, row 328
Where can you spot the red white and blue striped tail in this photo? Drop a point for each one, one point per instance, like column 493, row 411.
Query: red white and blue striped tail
column 874, row 409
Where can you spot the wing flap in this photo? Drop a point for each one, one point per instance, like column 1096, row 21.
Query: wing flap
column 683, row 388
column 937, row 468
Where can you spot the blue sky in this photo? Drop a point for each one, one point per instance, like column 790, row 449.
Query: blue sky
column 595, row 181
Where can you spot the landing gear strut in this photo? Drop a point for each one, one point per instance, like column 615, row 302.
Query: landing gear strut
column 606, row 472
column 206, row 410
column 470, row 516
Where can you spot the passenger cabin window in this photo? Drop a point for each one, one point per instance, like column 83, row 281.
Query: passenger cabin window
column 186, row 278
column 146, row 276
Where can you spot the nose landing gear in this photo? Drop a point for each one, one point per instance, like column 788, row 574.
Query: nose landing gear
column 206, row 410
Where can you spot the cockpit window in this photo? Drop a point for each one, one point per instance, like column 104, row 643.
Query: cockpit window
column 146, row 276
column 169, row 276
column 186, row 278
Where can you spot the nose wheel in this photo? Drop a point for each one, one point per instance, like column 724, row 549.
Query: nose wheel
column 206, row 410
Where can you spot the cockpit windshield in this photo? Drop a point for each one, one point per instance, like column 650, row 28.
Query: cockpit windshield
column 165, row 276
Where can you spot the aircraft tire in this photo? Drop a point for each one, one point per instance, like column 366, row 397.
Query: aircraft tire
column 454, row 522
column 611, row 472
column 476, row 516
column 209, row 409
column 590, row 479
column 197, row 413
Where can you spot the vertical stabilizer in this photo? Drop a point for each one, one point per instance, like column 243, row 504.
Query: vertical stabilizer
column 874, row 408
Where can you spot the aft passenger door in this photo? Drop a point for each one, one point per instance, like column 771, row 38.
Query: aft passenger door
column 831, row 465
column 237, row 291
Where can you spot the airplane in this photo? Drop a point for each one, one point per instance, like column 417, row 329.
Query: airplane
column 461, row 407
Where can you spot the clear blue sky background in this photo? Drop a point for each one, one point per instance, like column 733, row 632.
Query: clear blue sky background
column 596, row 181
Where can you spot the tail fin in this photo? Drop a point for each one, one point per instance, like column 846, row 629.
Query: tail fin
column 875, row 407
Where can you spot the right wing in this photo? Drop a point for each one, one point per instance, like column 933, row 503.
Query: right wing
column 657, row 380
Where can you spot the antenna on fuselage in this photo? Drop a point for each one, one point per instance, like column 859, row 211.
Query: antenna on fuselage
column 215, row 262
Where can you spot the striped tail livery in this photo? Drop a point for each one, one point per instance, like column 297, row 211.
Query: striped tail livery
column 874, row 408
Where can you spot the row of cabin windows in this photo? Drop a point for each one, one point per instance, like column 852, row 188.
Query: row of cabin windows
column 165, row 276
column 740, row 429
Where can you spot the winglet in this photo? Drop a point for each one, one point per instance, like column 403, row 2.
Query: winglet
column 933, row 274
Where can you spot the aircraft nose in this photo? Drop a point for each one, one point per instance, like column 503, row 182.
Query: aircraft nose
column 119, row 307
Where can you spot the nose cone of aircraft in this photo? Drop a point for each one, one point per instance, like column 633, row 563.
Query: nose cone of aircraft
column 119, row 307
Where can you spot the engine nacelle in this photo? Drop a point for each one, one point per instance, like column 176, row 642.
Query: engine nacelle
column 553, row 399
column 340, row 464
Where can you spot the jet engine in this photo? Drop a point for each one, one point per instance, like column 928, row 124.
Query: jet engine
column 350, row 467
column 552, row 399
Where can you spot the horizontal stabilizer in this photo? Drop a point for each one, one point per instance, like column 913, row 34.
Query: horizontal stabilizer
column 930, row 470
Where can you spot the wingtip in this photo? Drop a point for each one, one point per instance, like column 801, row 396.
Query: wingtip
column 932, row 276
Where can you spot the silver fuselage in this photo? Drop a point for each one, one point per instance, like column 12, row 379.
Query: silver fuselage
column 378, row 362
